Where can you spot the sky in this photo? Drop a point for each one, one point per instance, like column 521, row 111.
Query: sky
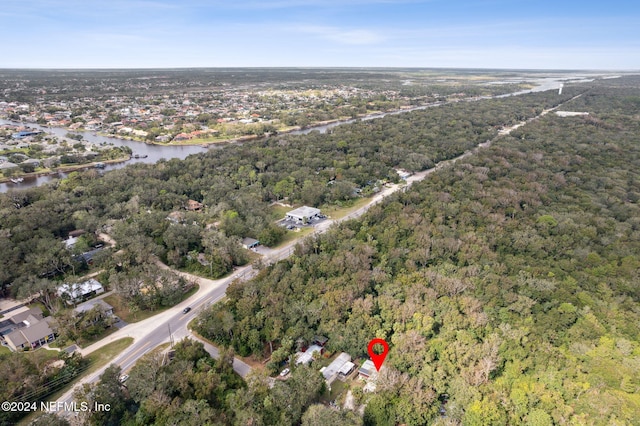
column 514, row 34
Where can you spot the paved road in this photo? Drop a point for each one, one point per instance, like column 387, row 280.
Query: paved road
column 149, row 333
column 154, row 331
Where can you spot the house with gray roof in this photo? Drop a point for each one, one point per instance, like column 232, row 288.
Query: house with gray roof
column 31, row 330
column 303, row 215
column 340, row 367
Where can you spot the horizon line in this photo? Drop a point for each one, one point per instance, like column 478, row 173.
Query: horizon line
column 184, row 68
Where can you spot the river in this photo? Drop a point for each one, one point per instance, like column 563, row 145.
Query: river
column 157, row 152
column 153, row 153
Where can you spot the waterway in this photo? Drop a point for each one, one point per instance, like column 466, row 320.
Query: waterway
column 153, row 153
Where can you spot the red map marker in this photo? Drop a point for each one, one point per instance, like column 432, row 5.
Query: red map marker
column 378, row 359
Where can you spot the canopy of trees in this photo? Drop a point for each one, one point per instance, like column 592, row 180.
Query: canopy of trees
column 236, row 184
column 507, row 284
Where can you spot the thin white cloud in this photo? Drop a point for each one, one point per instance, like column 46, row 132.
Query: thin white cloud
column 340, row 35
column 285, row 4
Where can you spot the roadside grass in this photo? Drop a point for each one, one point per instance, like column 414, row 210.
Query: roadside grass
column 122, row 310
column 157, row 350
column 102, row 356
column 294, row 235
column 149, row 356
column 338, row 212
column 278, row 211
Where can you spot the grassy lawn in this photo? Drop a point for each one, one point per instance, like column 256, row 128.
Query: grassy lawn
column 338, row 212
column 278, row 211
column 4, row 350
column 121, row 309
column 293, row 235
column 338, row 391
column 102, row 356
column 41, row 356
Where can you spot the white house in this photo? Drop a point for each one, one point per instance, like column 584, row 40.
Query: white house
column 303, row 214
column 307, row 357
column 341, row 366
column 79, row 291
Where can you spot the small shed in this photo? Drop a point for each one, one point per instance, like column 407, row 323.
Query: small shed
column 368, row 369
column 194, row 206
column 320, row 340
column 250, row 243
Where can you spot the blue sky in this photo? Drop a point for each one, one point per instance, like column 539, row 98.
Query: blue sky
column 528, row 34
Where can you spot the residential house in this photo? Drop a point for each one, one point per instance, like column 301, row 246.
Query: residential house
column 303, row 215
column 29, row 330
column 367, row 370
column 8, row 165
column 340, row 367
column 32, row 315
column 307, row 356
column 182, row 137
column 77, row 292
column 176, row 217
column 104, row 310
column 403, row 174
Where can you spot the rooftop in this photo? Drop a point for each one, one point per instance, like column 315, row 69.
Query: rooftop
column 336, row 365
column 78, row 290
column 87, row 306
column 307, row 357
column 367, row 369
column 304, row 211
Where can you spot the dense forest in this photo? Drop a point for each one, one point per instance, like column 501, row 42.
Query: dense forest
column 507, row 284
column 237, row 184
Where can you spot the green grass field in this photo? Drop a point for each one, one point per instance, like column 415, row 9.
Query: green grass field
column 121, row 309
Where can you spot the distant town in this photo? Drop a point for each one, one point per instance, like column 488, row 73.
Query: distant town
column 211, row 108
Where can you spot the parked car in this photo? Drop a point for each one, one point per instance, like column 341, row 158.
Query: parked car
column 284, row 372
column 186, row 310
column 123, row 378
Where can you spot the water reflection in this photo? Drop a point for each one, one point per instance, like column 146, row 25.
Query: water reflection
column 148, row 153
